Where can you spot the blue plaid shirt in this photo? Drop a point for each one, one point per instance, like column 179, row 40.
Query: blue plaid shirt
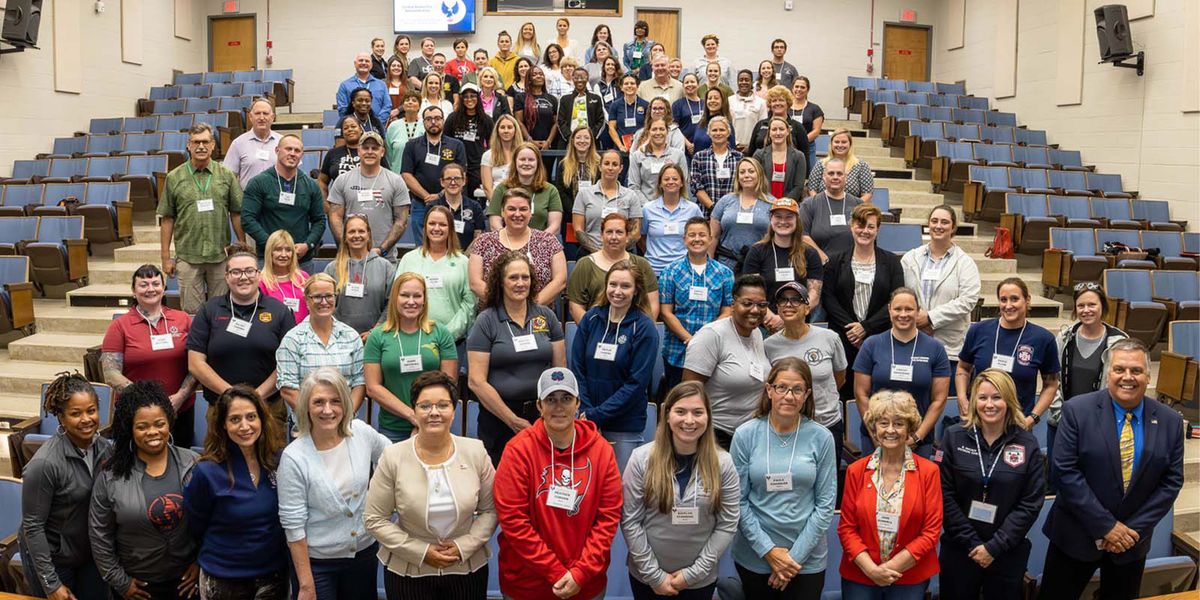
column 704, row 174
column 674, row 286
column 301, row 352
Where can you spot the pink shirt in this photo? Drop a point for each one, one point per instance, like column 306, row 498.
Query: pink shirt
column 290, row 294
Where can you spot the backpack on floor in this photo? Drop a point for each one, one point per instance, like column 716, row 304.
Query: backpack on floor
column 1002, row 244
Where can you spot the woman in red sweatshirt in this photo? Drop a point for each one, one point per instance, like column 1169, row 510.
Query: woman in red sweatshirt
column 558, row 496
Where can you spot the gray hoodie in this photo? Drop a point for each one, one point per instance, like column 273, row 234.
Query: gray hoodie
column 54, row 506
column 125, row 543
column 363, row 314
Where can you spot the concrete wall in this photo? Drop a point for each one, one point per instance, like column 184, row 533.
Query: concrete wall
column 1122, row 123
column 33, row 113
column 826, row 44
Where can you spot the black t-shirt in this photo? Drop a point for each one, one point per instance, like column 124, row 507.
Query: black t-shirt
column 450, row 86
column 1085, row 372
column 474, row 133
column 164, row 497
column 343, row 159
column 759, row 261
column 547, row 108
column 237, row 359
column 806, row 116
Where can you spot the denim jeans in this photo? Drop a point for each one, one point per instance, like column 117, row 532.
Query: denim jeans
column 852, row 590
column 395, row 435
column 623, row 443
column 416, row 220
column 343, row 578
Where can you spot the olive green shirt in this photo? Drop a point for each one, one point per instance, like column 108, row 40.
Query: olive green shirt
column 544, row 203
column 201, row 236
column 587, row 280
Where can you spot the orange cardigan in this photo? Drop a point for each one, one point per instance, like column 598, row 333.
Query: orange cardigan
column 920, row 521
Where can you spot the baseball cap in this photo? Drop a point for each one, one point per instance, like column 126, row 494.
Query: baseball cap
column 468, row 87
column 794, row 286
column 370, row 136
column 555, row 379
column 786, row 204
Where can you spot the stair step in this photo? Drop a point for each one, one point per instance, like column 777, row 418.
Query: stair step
column 101, row 294
column 55, row 317
column 851, row 124
column 110, row 272
column 27, row 377
column 139, row 253
column 870, row 151
column 20, row 405
column 145, row 234
column 884, row 163
column 904, row 185
column 1006, row 266
column 54, row 347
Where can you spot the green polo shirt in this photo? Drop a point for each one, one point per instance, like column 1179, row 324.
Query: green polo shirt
column 201, row 236
column 544, row 202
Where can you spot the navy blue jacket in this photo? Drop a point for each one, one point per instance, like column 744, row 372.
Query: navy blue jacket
column 613, row 394
column 1087, row 467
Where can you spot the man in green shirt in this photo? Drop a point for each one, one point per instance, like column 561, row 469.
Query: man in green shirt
column 284, row 198
column 200, row 200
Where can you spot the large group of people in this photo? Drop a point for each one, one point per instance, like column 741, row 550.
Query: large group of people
column 688, row 225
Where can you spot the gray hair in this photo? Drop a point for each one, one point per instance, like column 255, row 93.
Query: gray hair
column 834, row 159
column 199, row 128
column 1126, row 345
column 718, row 119
column 332, row 378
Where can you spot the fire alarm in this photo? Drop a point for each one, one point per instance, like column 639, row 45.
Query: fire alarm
column 99, row 7
column 870, row 52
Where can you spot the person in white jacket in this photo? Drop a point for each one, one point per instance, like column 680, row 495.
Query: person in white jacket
column 946, row 280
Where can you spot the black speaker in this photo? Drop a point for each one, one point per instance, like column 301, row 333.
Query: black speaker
column 1112, row 29
column 21, row 21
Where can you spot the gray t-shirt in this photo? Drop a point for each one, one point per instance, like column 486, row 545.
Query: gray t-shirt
column 372, row 196
column 815, row 215
column 594, row 206
column 727, row 359
column 515, row 374
column 823, row 351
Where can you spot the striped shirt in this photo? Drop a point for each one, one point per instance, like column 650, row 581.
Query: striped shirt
column 674, row 288
column 302, row 352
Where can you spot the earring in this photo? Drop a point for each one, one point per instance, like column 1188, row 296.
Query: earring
column 61, row 430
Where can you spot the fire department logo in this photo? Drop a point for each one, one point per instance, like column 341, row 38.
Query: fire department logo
column 576, row 478
column 813, row 357
column 1014, row 455
column 538, row 325
column 264, row 317
column 1025, row 354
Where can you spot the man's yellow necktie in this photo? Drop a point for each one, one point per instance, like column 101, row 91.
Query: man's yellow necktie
column 1127, row 451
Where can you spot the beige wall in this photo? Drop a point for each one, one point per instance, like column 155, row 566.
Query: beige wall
column 32, row 113
column 826, row 44
column 1122, row 123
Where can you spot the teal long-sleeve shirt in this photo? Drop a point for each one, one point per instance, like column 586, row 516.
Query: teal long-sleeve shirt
column 797, row 519
column 262, row 213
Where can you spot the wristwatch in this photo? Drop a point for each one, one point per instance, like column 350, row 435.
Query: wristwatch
column 1036, row 418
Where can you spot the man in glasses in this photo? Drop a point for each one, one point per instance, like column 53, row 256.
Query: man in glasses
column 282, row 197
column 371, row 190
column 201, row 201
column 422, row 162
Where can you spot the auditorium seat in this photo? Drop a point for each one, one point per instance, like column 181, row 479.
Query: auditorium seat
column 106, row 168
column 1067, row 160
column 56, row 198
column 1191, row 242
column 142, row 143
column 180, row 123
column 16, row 295
column 106, row 126
column 951, row 88
column 10, row 523
column 993, row 155
column 107, row 213
column 1026, row 215
column 1131, row 305
column 899, row 238
column 1001, row 119
column 67, row 147
column 1113, row 213
column 944, row 100
column 1177, row 367
column 60, row 254
column 140, row 125
column 1179, row 291
column 1030, row 181
column 997, row 135
column 226, row 89
column 1030, row 137
column 983, row 193
column 66, row 170
column 164, row 92
column 1155, row 214
column 188, row 78
column 14, row 200
column 1170, row 249
column 28, row 171
column 317, row 139
column 167, row 107
column 973, row 103
column 1134, row 259
column 919, row 146
column 195, row 91
column 1072, row 258
column 918, row 98
column 14, row 232
column 1106, row 184
column 143, row 177
column 1070, row 183
column 950, row 164
column 329, row 118
column 962, row 133
column 1032, row 157
column 213, row 77
column 174, row 145
column 1072, row 211
column 970, row 116
column 247, row 76
column 259, row 90
column 310, row 163
column 201, row 105
column 935, row 114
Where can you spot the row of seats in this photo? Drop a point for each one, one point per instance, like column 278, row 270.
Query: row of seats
column 901, row 85
column 214, row 77
column 216, row 90
column 1073, row 255
column 925, row 99
column 985, row 188
column 166, row 123
column 1141, row 303
column 122, row 144
column 145, row 174
column 56, row 247
column 107, row 207
column 950, row 162
column 16, row 294
column 1178, row 370
column 1030, row 216
column 878, row 114
column 920, row 143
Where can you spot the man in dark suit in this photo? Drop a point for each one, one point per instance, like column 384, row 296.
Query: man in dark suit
column 1118, row 460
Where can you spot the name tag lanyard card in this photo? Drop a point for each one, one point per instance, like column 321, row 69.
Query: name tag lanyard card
column 286, row 198
column 293, row 304
column 756, row 369
column 692, row 114
column 369, row 196
column 1004, row 362
column 356, row 290
column 902, row 372
column 698, row 293
column 838, row 219
column 783, row 274
column 606, row 351
column 433, row 153
column 559, row 496
column 159, row 341
column 687, row 515
column 237, row 326
column 409, row 364
column 629, row 121
column 524, row 342
column 982, row 511
column 780, row 482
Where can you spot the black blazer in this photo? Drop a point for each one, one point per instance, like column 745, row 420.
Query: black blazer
column 1087, row 466
column 795, row 170
column 595, row 114
column 758, row 137
column 837, row 294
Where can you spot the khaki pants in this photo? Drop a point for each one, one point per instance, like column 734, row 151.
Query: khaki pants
column 198, row 282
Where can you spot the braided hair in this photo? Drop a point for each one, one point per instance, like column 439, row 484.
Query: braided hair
column 65, row 385
column 135, row 396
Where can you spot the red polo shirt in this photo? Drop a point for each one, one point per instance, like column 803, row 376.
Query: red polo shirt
column 129, row 334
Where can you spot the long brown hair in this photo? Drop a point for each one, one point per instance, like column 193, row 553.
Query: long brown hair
column 539, row 175
column 660, row 470
column 494, row 297
column 452, row 248
column 796, row 251
column 341, row 263
column 573, row 163
column 216, row 442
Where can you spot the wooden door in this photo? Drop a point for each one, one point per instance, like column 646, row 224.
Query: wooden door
column 232, row 44
column 664, row 29
column 906, row 52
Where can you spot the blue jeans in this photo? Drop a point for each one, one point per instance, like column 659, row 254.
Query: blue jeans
column 852, row 590
column 343, row 578
column 817, row 315
column 623, row 443
column 83, row 581
column 394, row 435
column 416, row 219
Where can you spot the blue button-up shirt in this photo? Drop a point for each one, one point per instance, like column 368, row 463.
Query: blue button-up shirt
column 1138, row 439
column 674, row 287
column 381, row 102
column 664, row 248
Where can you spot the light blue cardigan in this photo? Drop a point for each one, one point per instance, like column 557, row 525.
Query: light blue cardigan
column 311, row 506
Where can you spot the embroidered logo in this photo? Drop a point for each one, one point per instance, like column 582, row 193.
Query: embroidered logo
column 1025, row 354
column 538, row 325
column 1014, row 455
column 264, row 317
column 576, row 478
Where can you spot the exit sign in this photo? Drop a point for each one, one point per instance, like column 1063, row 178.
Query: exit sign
column 231, row 6
column 907, row 15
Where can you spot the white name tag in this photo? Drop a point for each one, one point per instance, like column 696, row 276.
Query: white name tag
column 722, row 172
column 785, row 274
column 745, row 217
column 431, row 159
column 204, row 205
column 777, row 175
column 671, row 228
column 370, row 196
column 656, row 167
column 1004, row 362
column 982, row 511
column 630, row 121
column 698, row 293
column 410, row 364
column 262, row 154
column 779, row 482
column 293, row 304
column 696, row 119
column 604, row 212
column 584, row 185
column 561, row 497
column 460, row 226
column 757, row 372
column 354, row 290
column 837, row 220
column 902, row 373
column 161, row 342
column 685, row 515
column 863, row 277
column 931, row 275
column 468, row 136
column 637, row 53
column 524, row 343
column 434, row 281
column 608, row 97
column 606, row 352
column 287, row 198
column 888, row 522
column 238, row 327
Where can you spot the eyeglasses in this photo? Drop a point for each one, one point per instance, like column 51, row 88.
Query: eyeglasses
column 322, row 298
column 1088, row 286
column 452, row 179
column 239, row 273
column 427, row 407
column 796, row 392
column 201, row 142
column 792, row 301
column 748, row 305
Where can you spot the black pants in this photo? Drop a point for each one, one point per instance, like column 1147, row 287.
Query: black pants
column 1065, row 577
column 183, row 432
column 468, row 586
column 672, row 376
column 642, row 591
column 724, row 440
column 805, row 586
column 964, row 578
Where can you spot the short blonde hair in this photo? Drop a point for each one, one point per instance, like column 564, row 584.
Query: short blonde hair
column 332, row 378
column 568, row 60
column 894, row 404
column 779, row 92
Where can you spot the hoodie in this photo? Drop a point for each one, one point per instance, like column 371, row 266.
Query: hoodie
column 539, row 543
column 613, row 393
